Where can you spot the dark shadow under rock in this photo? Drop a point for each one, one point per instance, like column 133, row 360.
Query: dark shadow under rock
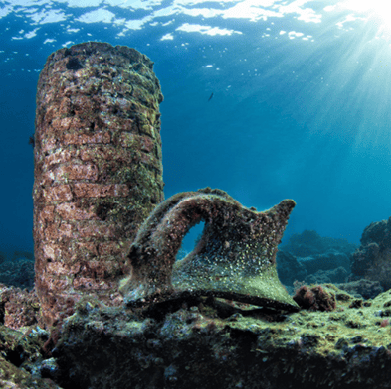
column 20, row 359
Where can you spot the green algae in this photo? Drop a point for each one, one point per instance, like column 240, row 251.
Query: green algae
column 203, row 341
column 20, row 351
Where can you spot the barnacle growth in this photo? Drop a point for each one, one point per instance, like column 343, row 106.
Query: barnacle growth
column 234, row 259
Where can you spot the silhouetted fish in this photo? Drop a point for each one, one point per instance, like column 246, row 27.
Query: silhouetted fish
column 210, row 97
column 32, row 141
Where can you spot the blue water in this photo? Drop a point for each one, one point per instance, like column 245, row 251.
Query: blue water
column 292, row 116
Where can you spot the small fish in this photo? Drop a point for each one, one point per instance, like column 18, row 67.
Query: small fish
column 210, row 97
column 32, row 141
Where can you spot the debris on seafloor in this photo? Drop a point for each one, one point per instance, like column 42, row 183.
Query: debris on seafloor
column 205, row 341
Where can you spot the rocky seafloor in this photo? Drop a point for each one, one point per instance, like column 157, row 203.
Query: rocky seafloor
column 203, row 343
column 207, row 342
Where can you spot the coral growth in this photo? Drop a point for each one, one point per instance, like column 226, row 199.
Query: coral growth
column 315, row 298
column 18, row 308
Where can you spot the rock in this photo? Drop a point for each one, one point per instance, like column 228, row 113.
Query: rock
column 309, row 243
column 379, row 232
column 362, row 288
column 197, row 346
column 98, row 170
column 313, row 258
column 18, row 308
column 326, row 261
column 289, row 268
column 334, row 276
column 19, row 360
column 372, row 260
column 19, row 273
column 331, row 266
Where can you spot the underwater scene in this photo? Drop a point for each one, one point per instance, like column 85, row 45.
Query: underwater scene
column 195, row 194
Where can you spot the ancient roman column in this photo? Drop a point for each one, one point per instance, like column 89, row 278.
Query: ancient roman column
column 98, row 170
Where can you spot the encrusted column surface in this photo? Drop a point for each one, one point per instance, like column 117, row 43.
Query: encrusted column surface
column 98, row 170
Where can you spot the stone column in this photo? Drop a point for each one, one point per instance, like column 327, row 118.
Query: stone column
column 98, row 170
